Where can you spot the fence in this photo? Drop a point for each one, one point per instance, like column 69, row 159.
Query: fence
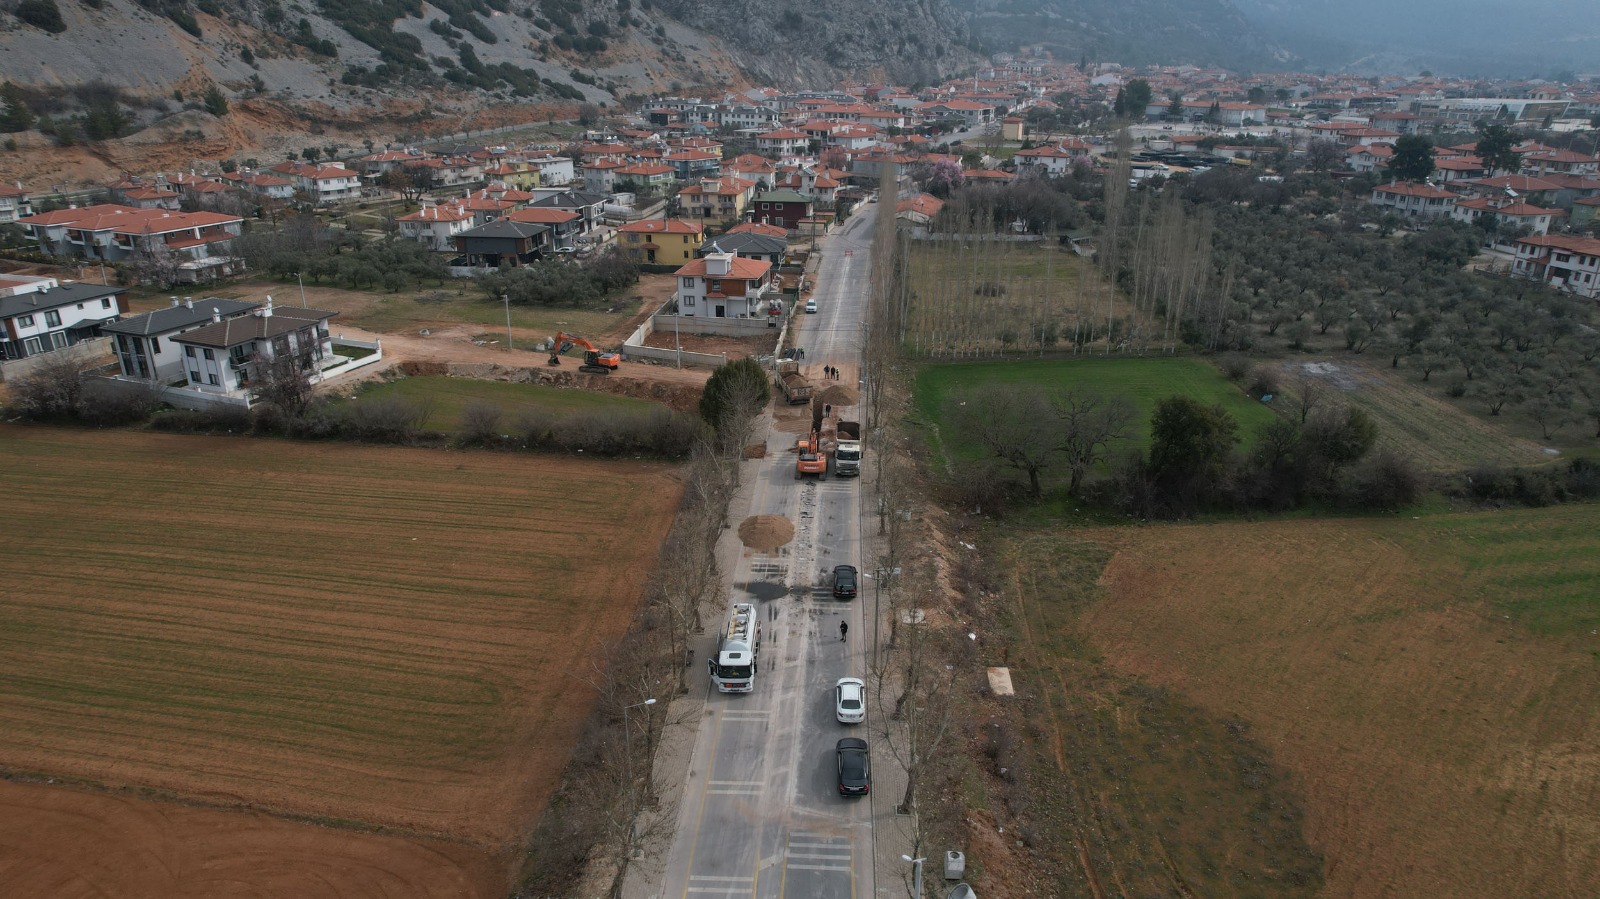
column 182, row 397
column 634, row 347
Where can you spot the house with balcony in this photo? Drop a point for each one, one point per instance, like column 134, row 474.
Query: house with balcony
column 645, row 175
column 226, row 356
column 690, row 164
column 436, row 227
column 783, row 142
column 1413, row 200
column 41, row 314
column 563, row 224
column 553, row 169
column 515, row 175
column 715, row 199
column 14, row 204
column 1509, row 212
column 141, row 194
column 589, row 206
column 660, row 241
column 261, row 185
column 722, row 285
column 740, row 117
column 1550, row 161
column 1055, row 159
column 749, row 245
column 145, row 344
column 110, row 233
column 324, row 185
column 600, row 175
column 1566, row 262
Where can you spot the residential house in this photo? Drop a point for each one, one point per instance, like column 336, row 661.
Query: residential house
column 14, row 204
column 600, row 175
column 515, row 175
column 747, row 117
column 261, row 184
column 1368, row 157
column 1585, row 211
column 590, row 207
column 1056, row 159
column 1013, row 128
column 1537, row 191
column 749, row 245
column 553, row 169
column 919, row 209
column 781, row 207
column 38, row 315
column 1453, row 169
column 1414, row 200
column 722, row 285
column 504, row 243
column 690, row 163
column 1509, row 212
column 644, row 175
column 375, row 164
column 225, row 356
column 144, row 344
column 140, row 194
column 563, row 224
column 109, row 233
column 715, row 199
column 760, row 228
column 660, row 241
column 1559, row 162
column 852, row 137
column 970, row 112
column 436, row 227
column 323, row 185
column 1567, row 262
column 783, row 142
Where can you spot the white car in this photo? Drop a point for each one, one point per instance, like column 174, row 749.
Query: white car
column 850, row 700
column 811, row 305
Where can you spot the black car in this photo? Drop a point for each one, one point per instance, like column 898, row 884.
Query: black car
column 855, row 767
column 844, row 582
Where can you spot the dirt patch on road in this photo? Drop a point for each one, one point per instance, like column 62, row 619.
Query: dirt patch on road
column 840, row 395
column 765, row 533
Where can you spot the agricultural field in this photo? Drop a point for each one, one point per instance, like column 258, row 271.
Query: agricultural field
column 383, row 639
column 971, row 300
column 1411, row 701
column 1143, row 380
column 453, row 306
column 445, row 398
column 1413, row 421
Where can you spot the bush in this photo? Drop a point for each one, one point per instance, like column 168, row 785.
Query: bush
column 480, row 425
column 1384, row 482
column 105, row 404
column 386, row 419
column 1263, row 382
column 221, row 420
column 49, row 392
column 42, row 14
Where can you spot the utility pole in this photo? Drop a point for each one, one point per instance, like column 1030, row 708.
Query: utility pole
column 627, row 750
column 506, row 298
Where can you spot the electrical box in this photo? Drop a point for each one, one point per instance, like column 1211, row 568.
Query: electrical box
column 955, row 865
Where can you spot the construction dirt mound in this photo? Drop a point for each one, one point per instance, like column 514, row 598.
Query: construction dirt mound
column 840, row 395
column 765, row 533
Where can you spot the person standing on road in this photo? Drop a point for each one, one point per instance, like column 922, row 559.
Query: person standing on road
column 844, row 628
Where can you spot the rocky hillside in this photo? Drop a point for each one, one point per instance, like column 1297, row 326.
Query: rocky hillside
column 1134, row 32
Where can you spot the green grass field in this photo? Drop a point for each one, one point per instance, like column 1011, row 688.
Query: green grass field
column 445, row 398
column 1144, row 381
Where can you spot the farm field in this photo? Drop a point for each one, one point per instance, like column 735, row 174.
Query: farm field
column 446, row 397
column 1414, row 421
column 1143, row 380
column 984, row 298
column 1427, row 684
column 382, row 637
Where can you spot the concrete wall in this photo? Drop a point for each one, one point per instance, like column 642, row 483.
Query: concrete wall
column 634, row 348
column 181, row 397
column 728, row 327
column 85, row 353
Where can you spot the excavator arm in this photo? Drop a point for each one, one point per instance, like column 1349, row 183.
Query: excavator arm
column 594, row 360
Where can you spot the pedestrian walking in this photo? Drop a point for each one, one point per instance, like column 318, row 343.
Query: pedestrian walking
column 844, row 628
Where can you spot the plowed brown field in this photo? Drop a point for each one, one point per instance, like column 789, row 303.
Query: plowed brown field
column 389, row 638
column 1430, row 683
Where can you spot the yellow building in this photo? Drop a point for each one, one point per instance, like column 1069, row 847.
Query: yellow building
column 661, row 242
column 518, row 175
column 1011, row 128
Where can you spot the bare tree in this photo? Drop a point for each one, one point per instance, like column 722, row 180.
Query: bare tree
column 155, row 263
column 1310, row 391
column 1013, row 424
column 284, row 381
column 1087, row 423
column 51, row 389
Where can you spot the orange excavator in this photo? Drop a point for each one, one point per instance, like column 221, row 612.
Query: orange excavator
column 594, row 361
column 809, row 459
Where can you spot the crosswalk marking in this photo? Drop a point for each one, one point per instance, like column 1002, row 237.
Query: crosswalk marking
column 734, row 787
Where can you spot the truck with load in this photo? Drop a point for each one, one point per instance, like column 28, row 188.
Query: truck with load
column 847, row 449
column 734, row 667
column 796, row 388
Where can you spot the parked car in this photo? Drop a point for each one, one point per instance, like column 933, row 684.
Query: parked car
column 811, row 305
column 844, row 582
column 854, row 767
column 850, row 700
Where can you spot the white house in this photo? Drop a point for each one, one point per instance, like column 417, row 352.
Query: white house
column 1509, row 211
column 553, row 169
column 723, row 285
column 435, row 227
column 783, row 142
column 324, row 184
column 224, row 356
column 144, row 345
column 14, row 204
column 1056, row 159
column 38, row 315
column 1567, row 262
column 1414, row 200
column 748, row 117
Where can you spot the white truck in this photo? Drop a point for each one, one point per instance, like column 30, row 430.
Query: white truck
column 734, row 667
column 847, row 449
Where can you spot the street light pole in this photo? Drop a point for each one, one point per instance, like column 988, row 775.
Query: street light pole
column 506, row 298
column 302, row 282
column 916, row 875
column 627, row 749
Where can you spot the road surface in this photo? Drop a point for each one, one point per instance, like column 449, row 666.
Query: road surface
column 760, row 815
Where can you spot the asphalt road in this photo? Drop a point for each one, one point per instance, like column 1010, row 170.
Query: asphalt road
column 760, row 815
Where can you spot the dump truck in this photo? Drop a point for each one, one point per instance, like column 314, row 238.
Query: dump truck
column 796, row 388
column 847, row 449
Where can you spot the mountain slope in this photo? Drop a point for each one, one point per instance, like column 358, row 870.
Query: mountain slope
column 1162, row 32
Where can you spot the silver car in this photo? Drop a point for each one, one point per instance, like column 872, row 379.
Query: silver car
column 850, row 700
